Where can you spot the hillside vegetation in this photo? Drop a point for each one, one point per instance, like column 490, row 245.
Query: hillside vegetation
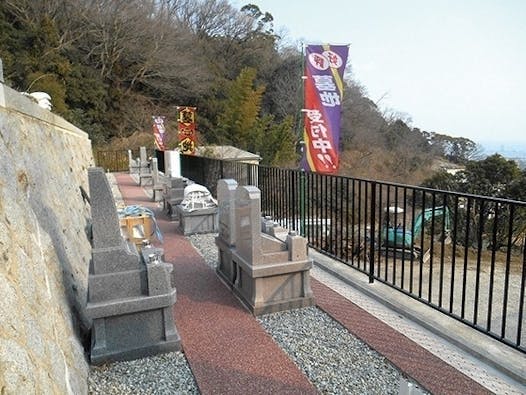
column 109, row 65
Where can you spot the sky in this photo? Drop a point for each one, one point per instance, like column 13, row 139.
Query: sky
column 452, row 67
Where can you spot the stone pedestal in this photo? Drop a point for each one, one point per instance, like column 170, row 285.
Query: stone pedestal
column 133, row 165
column 130, row 295
column 158, row 182
column 203, row 220
column 267, row 274
column 173, row 194
column 145, row 172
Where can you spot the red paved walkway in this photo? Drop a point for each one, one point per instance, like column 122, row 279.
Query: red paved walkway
column 431, row 372
column 230, row 353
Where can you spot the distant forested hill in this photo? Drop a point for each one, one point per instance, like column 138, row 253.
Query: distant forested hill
column 109, row 65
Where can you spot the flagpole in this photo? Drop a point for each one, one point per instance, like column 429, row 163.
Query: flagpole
column 302, row 145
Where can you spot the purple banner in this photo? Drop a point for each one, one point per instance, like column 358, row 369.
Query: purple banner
column 324, row 68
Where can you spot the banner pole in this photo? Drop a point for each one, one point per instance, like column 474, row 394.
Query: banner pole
column 302, row 146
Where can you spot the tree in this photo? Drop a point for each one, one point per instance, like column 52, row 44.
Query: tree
column 241, row 125
column 240, row 109
column 274, row 141
column 490, row 177
column 494, row 176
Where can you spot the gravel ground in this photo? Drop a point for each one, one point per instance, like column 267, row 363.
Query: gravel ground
column 334, row 360
column 161, row 374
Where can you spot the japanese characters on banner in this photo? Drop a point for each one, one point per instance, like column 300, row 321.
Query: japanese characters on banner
column 186, row 128
column 159, row 132
column 324, row 68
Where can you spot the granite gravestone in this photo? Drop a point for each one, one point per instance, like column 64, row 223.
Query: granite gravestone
column 197, row 213
column 130, row 295
column 145, row 171
column 225, row 241
column 158, row 182
column 173, row 195
column 270, row 275
column 133, row 165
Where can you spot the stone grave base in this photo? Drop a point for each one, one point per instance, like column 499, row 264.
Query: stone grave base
column 203, row 220
column 171, row 208
column 225, row 268
column 135, row 335
column 273, row 287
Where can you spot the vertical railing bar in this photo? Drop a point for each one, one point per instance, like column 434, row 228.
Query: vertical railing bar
column 479, row 257
column 341, row 194
column 274, row 201
column 442, row 250
column 521, row 297
column 294, row 203
column 395, row 228
column 404, row 230
column 326, row 211
column 359, row 220
column 365, row 222
column 386, row 244
column 422, row 252
column 372, row 231
column 309, row 205
column 431, row 249
column 453, row 256
column 465, row 267
column 492, row 267
column 283, row 180
column 332, row 209
column 347, row 220
column 353, row 221
column 412, row 250
column 319, row 226
column 381, row 220
column 507, row 274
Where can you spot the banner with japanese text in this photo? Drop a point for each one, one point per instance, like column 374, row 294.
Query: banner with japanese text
column 324, row 68
column 159, row 132
column 187, row 129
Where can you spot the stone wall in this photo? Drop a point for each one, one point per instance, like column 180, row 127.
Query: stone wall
column 44, row 249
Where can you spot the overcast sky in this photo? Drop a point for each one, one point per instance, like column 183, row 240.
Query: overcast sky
column 454, row 67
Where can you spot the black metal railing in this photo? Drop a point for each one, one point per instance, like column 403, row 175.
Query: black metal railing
column 462, row 254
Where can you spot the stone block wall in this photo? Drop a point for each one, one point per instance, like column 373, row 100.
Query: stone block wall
column 44, row 249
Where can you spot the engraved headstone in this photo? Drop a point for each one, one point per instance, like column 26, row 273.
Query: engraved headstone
column 225, row 241
column 267, row 274
column 130, row 296
column 158, row 184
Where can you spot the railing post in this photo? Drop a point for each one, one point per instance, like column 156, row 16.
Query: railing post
column 302, row 203
column 373, row 231
column 221, row 175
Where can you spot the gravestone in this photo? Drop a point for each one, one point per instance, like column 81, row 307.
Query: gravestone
column 173, row 195
column 145, row 172
column 270, row 275
column 172, row 161
column 133, row 165
column 226, row 239
column 197, row 213
column 130, row 295
column 158, row 182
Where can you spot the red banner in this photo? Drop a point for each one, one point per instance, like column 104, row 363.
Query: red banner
column 324, row 68
column 187, row 129
column 159, row 132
